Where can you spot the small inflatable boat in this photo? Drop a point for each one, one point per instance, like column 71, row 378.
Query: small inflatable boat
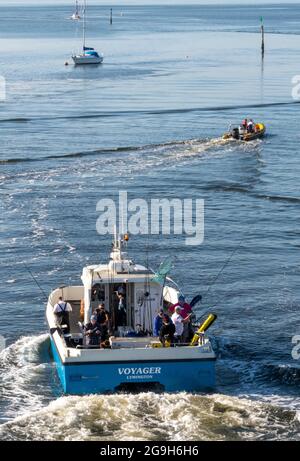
column 241, row 135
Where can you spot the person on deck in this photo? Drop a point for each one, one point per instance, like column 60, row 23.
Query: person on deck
column 167, row 330
column 245, row 124
column 158, row 321
column 186, row 310
column 179, row 323
column 121, row 311
column 62, row 311
column 250, row 126
column 185, row 307
column 103, row 320
column 93, row 332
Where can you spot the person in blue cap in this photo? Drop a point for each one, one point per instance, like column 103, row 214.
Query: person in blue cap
column 93, row 332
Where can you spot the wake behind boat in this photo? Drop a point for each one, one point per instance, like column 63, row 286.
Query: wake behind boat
column 89, row 55
column 129, row 352
column 247, row 131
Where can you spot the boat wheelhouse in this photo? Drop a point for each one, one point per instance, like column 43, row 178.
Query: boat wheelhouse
column 134, row 357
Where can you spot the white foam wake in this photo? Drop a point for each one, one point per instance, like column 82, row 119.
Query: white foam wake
column 149, row 416
column 24, row 383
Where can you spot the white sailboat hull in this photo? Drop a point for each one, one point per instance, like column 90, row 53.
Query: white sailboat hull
column 83, row 60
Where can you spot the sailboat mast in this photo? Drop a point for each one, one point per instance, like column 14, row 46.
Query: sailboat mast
column 84, row 10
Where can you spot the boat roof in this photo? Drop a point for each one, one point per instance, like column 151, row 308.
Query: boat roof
column 125, row 271
column 119, row 268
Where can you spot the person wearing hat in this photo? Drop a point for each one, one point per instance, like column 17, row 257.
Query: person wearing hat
column 185, row 307
column 158, row 321
column 93, row 332
column 167, row 330
column 179, row 323
column 186, row 310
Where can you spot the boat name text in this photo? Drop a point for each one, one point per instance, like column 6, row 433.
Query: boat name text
column 140, row 371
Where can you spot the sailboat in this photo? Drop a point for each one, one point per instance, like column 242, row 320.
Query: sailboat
column 88, row 55
column 76, row 16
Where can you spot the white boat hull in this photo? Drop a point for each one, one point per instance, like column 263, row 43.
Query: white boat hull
column 172, row 369
column 84, row 60
column 98, row 371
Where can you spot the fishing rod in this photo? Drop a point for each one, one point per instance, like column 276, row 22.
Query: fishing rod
column 31, row 275
column 224, row 266
column 219, row 274
column 35, row 280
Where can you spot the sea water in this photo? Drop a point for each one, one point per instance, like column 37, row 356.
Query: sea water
column 149, row 121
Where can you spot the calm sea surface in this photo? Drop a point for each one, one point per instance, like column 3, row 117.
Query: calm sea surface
column 149, row 121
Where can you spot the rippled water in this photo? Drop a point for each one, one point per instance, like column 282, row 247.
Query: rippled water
column 149, row 121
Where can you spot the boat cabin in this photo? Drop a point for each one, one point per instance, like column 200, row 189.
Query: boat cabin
column 130, row 292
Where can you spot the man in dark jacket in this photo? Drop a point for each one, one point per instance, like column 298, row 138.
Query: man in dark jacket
column 93, row 332
column 103, row 320
column 167, row 331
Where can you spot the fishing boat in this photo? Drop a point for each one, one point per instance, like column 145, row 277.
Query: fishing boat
column 132, row 356
column 242, row 135
column 88, row 55
column 76, row 15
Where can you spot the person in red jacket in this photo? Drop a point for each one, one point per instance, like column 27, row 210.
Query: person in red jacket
column 185, row 307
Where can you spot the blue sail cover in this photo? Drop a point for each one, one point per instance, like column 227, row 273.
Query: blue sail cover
column 92, row 53
column 86, row 48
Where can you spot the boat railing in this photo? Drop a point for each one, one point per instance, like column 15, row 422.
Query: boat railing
column 206, row 346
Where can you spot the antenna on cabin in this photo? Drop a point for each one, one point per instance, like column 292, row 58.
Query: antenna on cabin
column 115, row 237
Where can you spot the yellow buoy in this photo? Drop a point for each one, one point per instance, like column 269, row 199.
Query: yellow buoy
column 203, row 327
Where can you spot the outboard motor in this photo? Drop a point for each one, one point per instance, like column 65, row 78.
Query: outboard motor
column 235, row 133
